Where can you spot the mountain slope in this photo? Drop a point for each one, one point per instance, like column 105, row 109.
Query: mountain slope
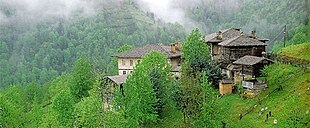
column 287, row 96
column 41, row 51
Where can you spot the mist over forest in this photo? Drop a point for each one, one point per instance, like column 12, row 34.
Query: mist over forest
column 58, row 61
column 31, row 29
column 46, row 36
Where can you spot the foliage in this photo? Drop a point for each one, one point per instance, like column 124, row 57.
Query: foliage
column 209, row 116
column 213, row 72
column 278, row 72
column 140, row 97
column 159, row 90
column 191, row 92
column 195, row 51
column 11, row 107
column 89, row 110
column 124, row 48
column 267, row 17
column 63, row 105
column 40, row 51
column 298, row 35
column 297, row 52
column 82, row 79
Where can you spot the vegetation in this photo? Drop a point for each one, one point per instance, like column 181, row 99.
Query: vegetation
column 51, row 71
column 298, row 52
column 288, row 106
column 143, row 91
column 198, row 96
column 299, row 34
column 40, row 51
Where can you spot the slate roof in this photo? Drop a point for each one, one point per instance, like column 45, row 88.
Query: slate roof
column 142, row 51
column 120, row 79
column 227, row 34
column 242, row 40
column 250, row 60
column 227, row 81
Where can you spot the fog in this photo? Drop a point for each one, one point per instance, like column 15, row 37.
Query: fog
column 38, row 10
column 178, row 10
column 166, row 10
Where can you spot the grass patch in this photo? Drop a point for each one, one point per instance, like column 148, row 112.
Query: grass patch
column 299, row 51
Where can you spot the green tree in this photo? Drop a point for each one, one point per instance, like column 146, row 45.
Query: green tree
column 191, row 92
column 140, row 97
column 89, row 110
column 82, row 79
column 124, row 48
column 196, row 51
column 12, row 107
column 209, row 116
column 158, row 87
column 63, row 105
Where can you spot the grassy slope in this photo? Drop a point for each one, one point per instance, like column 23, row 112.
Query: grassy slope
column 284, row 104
column 299, row 51
column 288, row 106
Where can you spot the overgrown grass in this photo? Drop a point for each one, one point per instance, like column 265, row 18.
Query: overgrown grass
column 299, row 51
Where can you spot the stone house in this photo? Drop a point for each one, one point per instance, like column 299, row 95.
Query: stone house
column 214, row 39
column 129, row 59
column 239, row 55
column 229, row 45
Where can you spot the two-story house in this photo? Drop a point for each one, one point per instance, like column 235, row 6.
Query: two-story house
column 239, row 46
column 214, row 39
column 231, row 46
column 129, row 59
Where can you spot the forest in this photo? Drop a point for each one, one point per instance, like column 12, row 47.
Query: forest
column 52, row 64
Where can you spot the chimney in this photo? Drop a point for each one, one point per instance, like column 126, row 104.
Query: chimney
column 173, row 48
column 178, row 45
column 219, row 35
column 254, row 34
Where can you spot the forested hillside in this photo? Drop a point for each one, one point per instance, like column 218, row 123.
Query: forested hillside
column 38, row 52
column 39, row 48
column 267, row 17
column 55, row 57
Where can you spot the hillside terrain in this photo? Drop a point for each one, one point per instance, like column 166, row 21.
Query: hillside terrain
column 298, row 53
column 289, row 106
column 55, row 68
column 39, row 49
column 39, row 52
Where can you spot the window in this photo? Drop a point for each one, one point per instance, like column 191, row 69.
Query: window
column 138, row 61
column 124, row 72
column 123, row 62
column 131, row 62
column 130, row 72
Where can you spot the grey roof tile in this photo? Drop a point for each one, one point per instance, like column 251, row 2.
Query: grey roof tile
column 142, row 51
